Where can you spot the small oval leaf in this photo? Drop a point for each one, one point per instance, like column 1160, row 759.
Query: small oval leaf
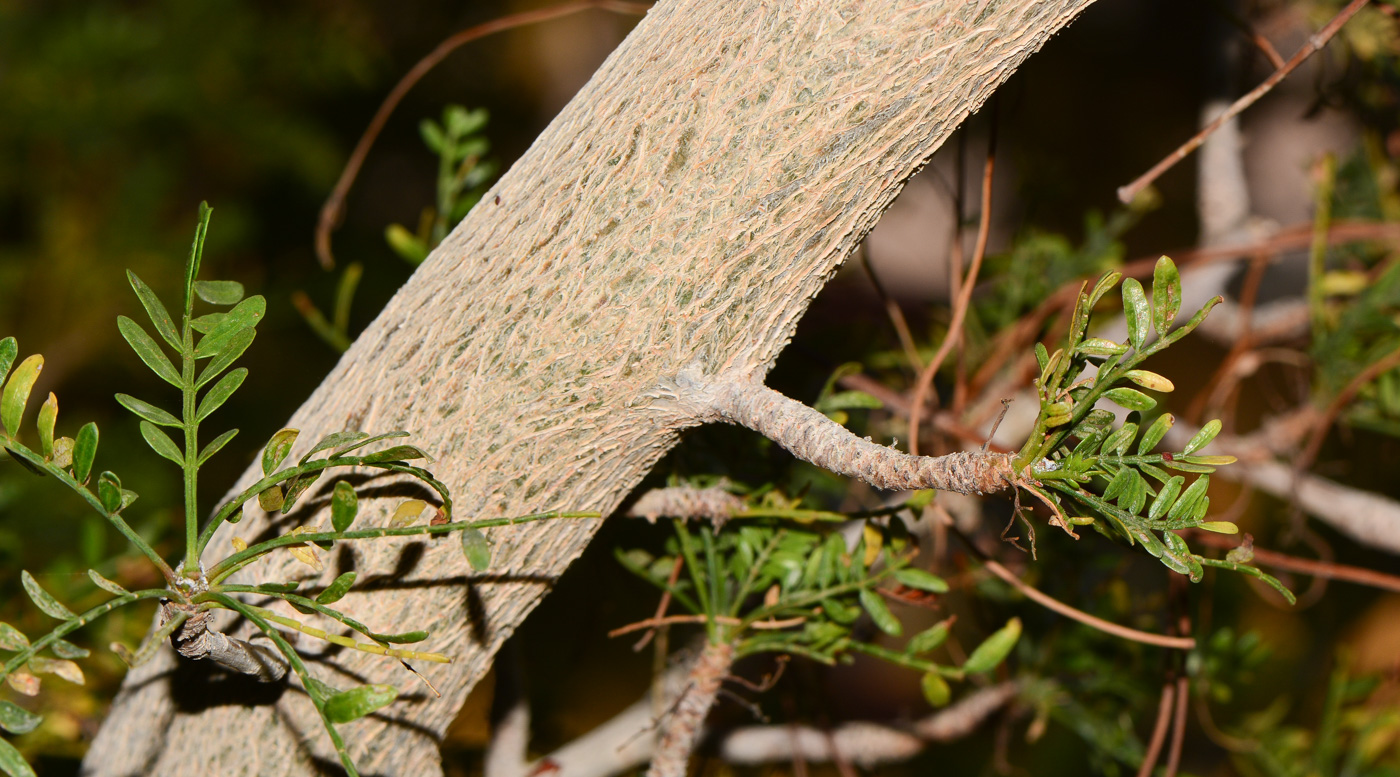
column 1150, row 380
column 105, row 584
column 12, row 638
column 65, row 649
column 1166, row 295
column 48, row 416
column 109, row 491
column 337, row 589
column 43, row 600
column 16, row 393
column 345, row 505
column 219, row 292
column 994, row 649
column 1219, row 527
column 407, row 513
column 880, row 612
column 215, row 444
column 921, row 580
column 277, row 449
column 16, row 719
column 1202, row 438
column 149, row 351
column 271, row 498
column 1130, row 399
column 1155, row 433
column 935, row 688
column 929, row 639
column 161, row 443
column 11, row 762
column 84, row 451
column 1136, row 312
column 218, row 395
column 477, row 549
column 359, row 702
column 160, row 317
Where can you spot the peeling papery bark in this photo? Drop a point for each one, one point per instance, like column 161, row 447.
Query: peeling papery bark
column 683, row 724
column 196, row 640
column 807, row 434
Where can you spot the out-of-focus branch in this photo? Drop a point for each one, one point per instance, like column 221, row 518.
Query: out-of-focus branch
column 863, row 743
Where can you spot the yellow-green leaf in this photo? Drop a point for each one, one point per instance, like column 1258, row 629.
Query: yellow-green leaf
column 277, row 449
column 407, row 513
column 1150, row 380
column 994, row 649
column 935, row 688
column 359, row 702
column 16, row 393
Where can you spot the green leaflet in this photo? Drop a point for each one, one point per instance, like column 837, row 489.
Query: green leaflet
column 994, row 649
column 880, row 612
column 16, row 393
column 358, row 702
column 149, row 351
column 160, row 317
column 43, row 599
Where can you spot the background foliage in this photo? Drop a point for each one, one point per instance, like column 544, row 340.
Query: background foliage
column 117, row 119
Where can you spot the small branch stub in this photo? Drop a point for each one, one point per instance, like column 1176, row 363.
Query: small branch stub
column 194, row 639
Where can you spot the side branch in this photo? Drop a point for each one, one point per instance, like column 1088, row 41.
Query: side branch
column 194, row 639
column 812, row 437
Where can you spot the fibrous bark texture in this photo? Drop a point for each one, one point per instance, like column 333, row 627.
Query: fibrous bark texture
column 683, row 723
column 682, row 209
column 811, row 436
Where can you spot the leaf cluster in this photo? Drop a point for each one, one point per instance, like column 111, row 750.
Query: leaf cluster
column 775, row 585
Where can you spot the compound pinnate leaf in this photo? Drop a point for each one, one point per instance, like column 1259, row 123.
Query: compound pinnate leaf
column 149, row 351
column 337, row 589
column 1136, row 312
column 161, row 443
column 1203, row 437
column 201, row 230
column 48, row 416
column 277, row 449
column 215, row 444
column 12, row 638
column 477, row 549
column 219, row 292
column 358, row 702
column 218, row 395
column 16, row 719
column 16, row 393
column 1190, row 499
column 994, row 649
column 148, row 411
column 880, row 612
column 1130, row 399
column 160, row 317
column 921, row 580
column 935, row 688
column 84, row 451
column 105, row 584
column 1166, row 295
column 363, row 441
column 345, row 505
column 12, row 763
column 43, row 599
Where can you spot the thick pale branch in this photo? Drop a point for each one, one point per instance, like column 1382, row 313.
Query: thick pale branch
column 685, row 721
column 811, row 436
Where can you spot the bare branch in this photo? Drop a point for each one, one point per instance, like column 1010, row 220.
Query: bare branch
column 195, row 639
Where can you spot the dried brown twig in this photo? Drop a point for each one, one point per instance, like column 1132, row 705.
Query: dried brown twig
column 1315, row 43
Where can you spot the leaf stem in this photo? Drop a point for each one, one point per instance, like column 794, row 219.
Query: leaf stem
column 63, row 629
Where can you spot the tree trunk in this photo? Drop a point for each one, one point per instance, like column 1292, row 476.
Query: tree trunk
column 679, row 213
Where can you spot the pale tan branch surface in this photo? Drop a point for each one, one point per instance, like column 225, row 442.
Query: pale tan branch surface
column 683, row 724
column 685, row 207
column 807, row 434
column 710, row 504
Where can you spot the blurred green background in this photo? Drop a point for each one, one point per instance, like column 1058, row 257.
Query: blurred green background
column 117, row 119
